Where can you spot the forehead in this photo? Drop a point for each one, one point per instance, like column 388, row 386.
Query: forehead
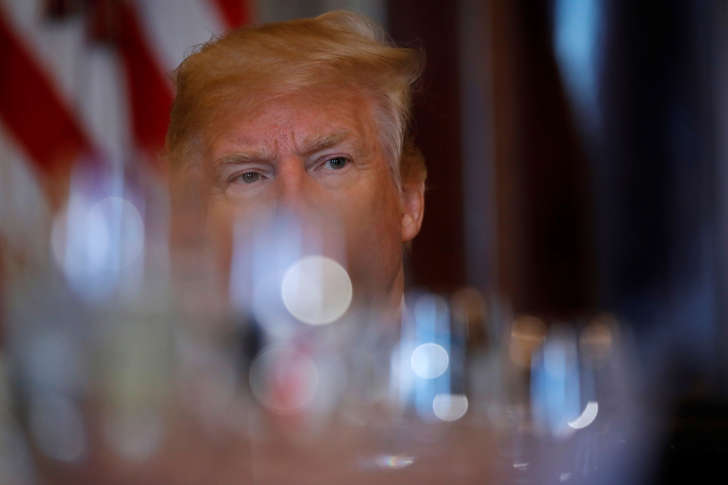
column 294, row 121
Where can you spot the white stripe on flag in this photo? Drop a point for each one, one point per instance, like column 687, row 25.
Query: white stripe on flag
column 174, row 27
column 56, row 46
column 24, row 212
column 60, row 49
column 104, row 107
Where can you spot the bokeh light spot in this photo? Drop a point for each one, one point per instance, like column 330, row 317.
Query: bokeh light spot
column 284, row 380
column 450, row 407
column 125, row 225
column 587, row 416
column 316, row 290
column 92, row 244
column 429, row 360
column 394, row 462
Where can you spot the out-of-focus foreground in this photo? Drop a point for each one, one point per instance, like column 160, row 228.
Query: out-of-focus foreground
column 565, row 314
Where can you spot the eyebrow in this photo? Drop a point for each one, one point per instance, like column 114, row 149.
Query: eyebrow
column 243, row 157
column 313, row 145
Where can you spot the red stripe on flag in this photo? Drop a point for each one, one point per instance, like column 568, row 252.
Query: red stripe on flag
column 150, row 95
column 31, row 109
column 234, row 12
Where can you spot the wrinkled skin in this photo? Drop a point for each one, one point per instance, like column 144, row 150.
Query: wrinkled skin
column 314, row 165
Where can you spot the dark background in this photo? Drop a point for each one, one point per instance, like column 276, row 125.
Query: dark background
column 565, row 209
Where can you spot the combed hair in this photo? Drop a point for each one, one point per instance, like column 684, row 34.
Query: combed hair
column 335, row 50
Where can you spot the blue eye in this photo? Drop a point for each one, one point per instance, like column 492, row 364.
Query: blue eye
column 337, row 163
column 248, row 177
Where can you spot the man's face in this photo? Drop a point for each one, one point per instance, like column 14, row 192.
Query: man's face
column 316, row 164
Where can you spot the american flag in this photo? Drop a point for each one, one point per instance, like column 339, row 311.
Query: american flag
column 87, row 81
column 83, row 78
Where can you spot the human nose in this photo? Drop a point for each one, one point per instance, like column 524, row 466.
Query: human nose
column 294, row 191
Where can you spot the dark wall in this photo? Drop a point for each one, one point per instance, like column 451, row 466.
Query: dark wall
column 437, row 259
column 543, row 190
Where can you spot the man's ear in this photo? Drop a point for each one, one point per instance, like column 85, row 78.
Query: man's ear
column 412, row 201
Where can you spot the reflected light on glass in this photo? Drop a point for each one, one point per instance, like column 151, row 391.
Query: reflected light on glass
column 125, row 226
column 394, row 462
column 576, row 34
column 284, row 380
column 15, row 461
column 468, row 305
column 259, row 261
column 556, row 384
column 92, row 244
column 527, row 335
column 597, row 339
column 316, row 290
column 586, row 417
column 80, row 241
column 450, row 407
column 57, row 427
column 429, row 360
column 134, row 437
column 54, row 359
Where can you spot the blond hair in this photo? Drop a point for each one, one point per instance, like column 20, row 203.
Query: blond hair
column 335, row 50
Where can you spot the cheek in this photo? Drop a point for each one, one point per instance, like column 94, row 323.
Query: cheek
column 227, row 224
column 218, row 229
column 373, row 237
